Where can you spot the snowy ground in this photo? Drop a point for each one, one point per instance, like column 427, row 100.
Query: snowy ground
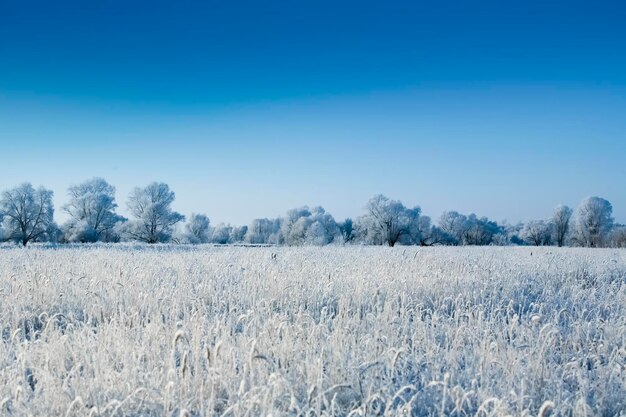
column 208, row 331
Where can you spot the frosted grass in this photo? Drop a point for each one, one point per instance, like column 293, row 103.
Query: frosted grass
column 333, row 331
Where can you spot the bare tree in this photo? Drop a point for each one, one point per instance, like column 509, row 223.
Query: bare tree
column 27, row 214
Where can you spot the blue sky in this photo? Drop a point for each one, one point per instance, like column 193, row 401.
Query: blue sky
column 247, row 109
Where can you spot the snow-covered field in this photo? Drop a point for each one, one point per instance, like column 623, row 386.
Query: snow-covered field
column 210, row 331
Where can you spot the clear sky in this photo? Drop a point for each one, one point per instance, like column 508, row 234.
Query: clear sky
column 503, row 108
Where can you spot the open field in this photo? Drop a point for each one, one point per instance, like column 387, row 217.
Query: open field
column 336, row 331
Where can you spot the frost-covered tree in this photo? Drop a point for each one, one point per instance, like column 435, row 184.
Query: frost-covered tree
column 427, row 233
column 561, row 224
column 329, row 228
column 92, row 212
column 387, row 221
column 197, row 229
column 116, row 234
column 364, row 233
column 238, row 234
column 27, row 214
column 263, row 231
column 296, row 224
column 316, row 234
column 480, row 231
column 594, row 222
column 459, row 229
column 346, row 228
column 537, row 232
column 410, row 220
column 221, row 234
column 453, row 224
column 420, row 230
column 618, row 236
column 511, row 234
column 154, row 219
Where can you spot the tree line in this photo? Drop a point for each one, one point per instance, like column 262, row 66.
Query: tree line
column 27, row 215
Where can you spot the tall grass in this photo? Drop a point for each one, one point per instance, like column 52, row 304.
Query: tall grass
column 333, row 331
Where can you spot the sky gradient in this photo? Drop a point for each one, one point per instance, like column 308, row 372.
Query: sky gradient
column 247, row 109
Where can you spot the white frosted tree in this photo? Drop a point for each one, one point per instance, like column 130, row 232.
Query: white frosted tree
column 238, row 233
column 154, row 219
column 221, row 234
column 618, row 236
column 537, row 232
column 197, row 229
column 92, row 212
column 480, row 231
column 346, row 228
column 453, row 224
column 412, row 219
column 27, row 214
column 511, row 234
column 387, row 221
column 263, row 231
column 427, row 233
column 328, row 223
column 594, row 222
column 316, row 234
column 459, row 229
column 561, row 220
column 295, row 227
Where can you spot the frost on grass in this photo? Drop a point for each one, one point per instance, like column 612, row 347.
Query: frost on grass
column 333, row 331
